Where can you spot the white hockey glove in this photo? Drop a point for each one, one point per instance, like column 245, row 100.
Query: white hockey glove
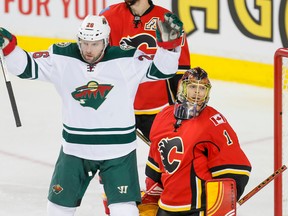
column 169, row 31
column 7, row 41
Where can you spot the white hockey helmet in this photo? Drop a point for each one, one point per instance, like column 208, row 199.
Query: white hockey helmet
column 94, row 28
column 189, row 106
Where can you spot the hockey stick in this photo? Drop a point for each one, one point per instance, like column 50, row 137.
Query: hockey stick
column 262, row 185
column 142, row 137
column 9, row 89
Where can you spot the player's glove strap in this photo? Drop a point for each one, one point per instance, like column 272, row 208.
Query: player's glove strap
column 170, row 44
column 10, row 46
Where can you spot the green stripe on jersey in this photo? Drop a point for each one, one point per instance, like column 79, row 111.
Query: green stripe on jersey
column 27, row 74
column 155, row 74
column 98, row 129
column 99, row 139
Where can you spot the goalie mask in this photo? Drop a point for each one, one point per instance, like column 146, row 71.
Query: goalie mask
column 193, row 93
column 94, row 29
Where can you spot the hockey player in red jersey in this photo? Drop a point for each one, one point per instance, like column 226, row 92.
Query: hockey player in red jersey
column 133, row 24
column 192, row 143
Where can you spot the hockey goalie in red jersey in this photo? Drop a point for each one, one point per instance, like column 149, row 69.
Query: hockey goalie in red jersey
column 133, row 25
column 191, row 144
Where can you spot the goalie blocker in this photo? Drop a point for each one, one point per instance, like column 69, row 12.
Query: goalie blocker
column 221, row 197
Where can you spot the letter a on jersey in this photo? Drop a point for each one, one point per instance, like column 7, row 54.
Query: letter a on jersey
column 92, row 95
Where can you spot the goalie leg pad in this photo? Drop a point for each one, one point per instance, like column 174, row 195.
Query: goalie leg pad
column 105, row 203
column 148, row 209
column 221, row 197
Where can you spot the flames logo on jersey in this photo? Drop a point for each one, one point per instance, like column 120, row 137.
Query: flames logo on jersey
column 127, row 43
column 142, row 39
column 92, row 95
column 171, row 151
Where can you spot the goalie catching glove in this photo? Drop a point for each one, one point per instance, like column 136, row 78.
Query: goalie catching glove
column 169, row 32
column 7, row 41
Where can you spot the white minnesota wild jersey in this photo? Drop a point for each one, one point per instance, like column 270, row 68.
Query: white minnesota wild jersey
column 97, row 100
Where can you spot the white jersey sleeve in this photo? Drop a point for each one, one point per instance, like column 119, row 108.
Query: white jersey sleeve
column 33, row 65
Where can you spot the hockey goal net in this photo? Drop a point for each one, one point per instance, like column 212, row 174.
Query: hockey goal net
column 281, row 130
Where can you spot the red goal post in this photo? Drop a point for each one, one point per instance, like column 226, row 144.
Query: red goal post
column 281, row 129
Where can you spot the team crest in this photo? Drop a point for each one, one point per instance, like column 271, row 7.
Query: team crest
column 57, row 189
column 147, row 40
column 92, row 95
column 171, row 151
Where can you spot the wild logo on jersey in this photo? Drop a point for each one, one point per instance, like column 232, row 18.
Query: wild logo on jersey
column 92, row 95
column 171, row 151
column 57, row 189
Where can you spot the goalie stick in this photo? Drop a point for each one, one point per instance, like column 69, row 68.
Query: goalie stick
column 262, row 185
column 142, row 137
column 9, row 89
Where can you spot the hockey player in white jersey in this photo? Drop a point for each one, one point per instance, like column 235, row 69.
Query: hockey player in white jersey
column 97, row 84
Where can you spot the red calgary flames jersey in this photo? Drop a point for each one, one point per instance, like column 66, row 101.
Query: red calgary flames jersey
column 126, row 32
column 202, row 148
